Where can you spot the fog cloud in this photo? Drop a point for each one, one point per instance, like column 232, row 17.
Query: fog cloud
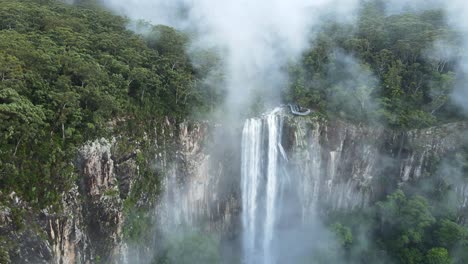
column 257, row 38
column 457, row 17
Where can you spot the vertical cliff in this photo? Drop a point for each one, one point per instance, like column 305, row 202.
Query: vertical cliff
column 95, row 214
column 334, row 165
column 345, row 165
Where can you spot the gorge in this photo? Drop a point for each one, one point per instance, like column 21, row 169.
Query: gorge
column 179, row 132
column 292, row 171
column 288, row 171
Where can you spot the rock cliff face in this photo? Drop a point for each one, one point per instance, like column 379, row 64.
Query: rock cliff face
column 337, row 164
column 89, row 228
column 200, row 186
column 346, row 166
column 195, row 192
column 337, row 161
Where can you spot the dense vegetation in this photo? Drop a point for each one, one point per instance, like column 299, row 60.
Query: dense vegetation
column 69, row 74
column 398, row 70
column 395, row 69
column 413, row 225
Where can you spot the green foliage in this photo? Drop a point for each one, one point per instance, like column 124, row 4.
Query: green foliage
column 343, row 234
column 67, row 73
column 449, row 234
column 402, row 229
column 407, row 82
column 404, row 223
column 438, row 256
column 409, row 216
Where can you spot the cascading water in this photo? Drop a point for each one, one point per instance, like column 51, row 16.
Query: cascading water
column 274, row 132
column 283, row 190
column 251, row 174
column 260, row 185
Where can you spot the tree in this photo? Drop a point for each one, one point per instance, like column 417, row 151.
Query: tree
column 344, row 235
column 438, row 256
column 403, row 224
column 449, row 234
column 11, row 70
column 20, row 118
column 70, row 73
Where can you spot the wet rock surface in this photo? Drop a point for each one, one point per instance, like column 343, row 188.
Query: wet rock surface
column 338, row 165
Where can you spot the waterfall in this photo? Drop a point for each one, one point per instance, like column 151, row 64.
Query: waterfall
column 251, row 163
column 260, row 186
column 272, row 183
column 282, row 189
